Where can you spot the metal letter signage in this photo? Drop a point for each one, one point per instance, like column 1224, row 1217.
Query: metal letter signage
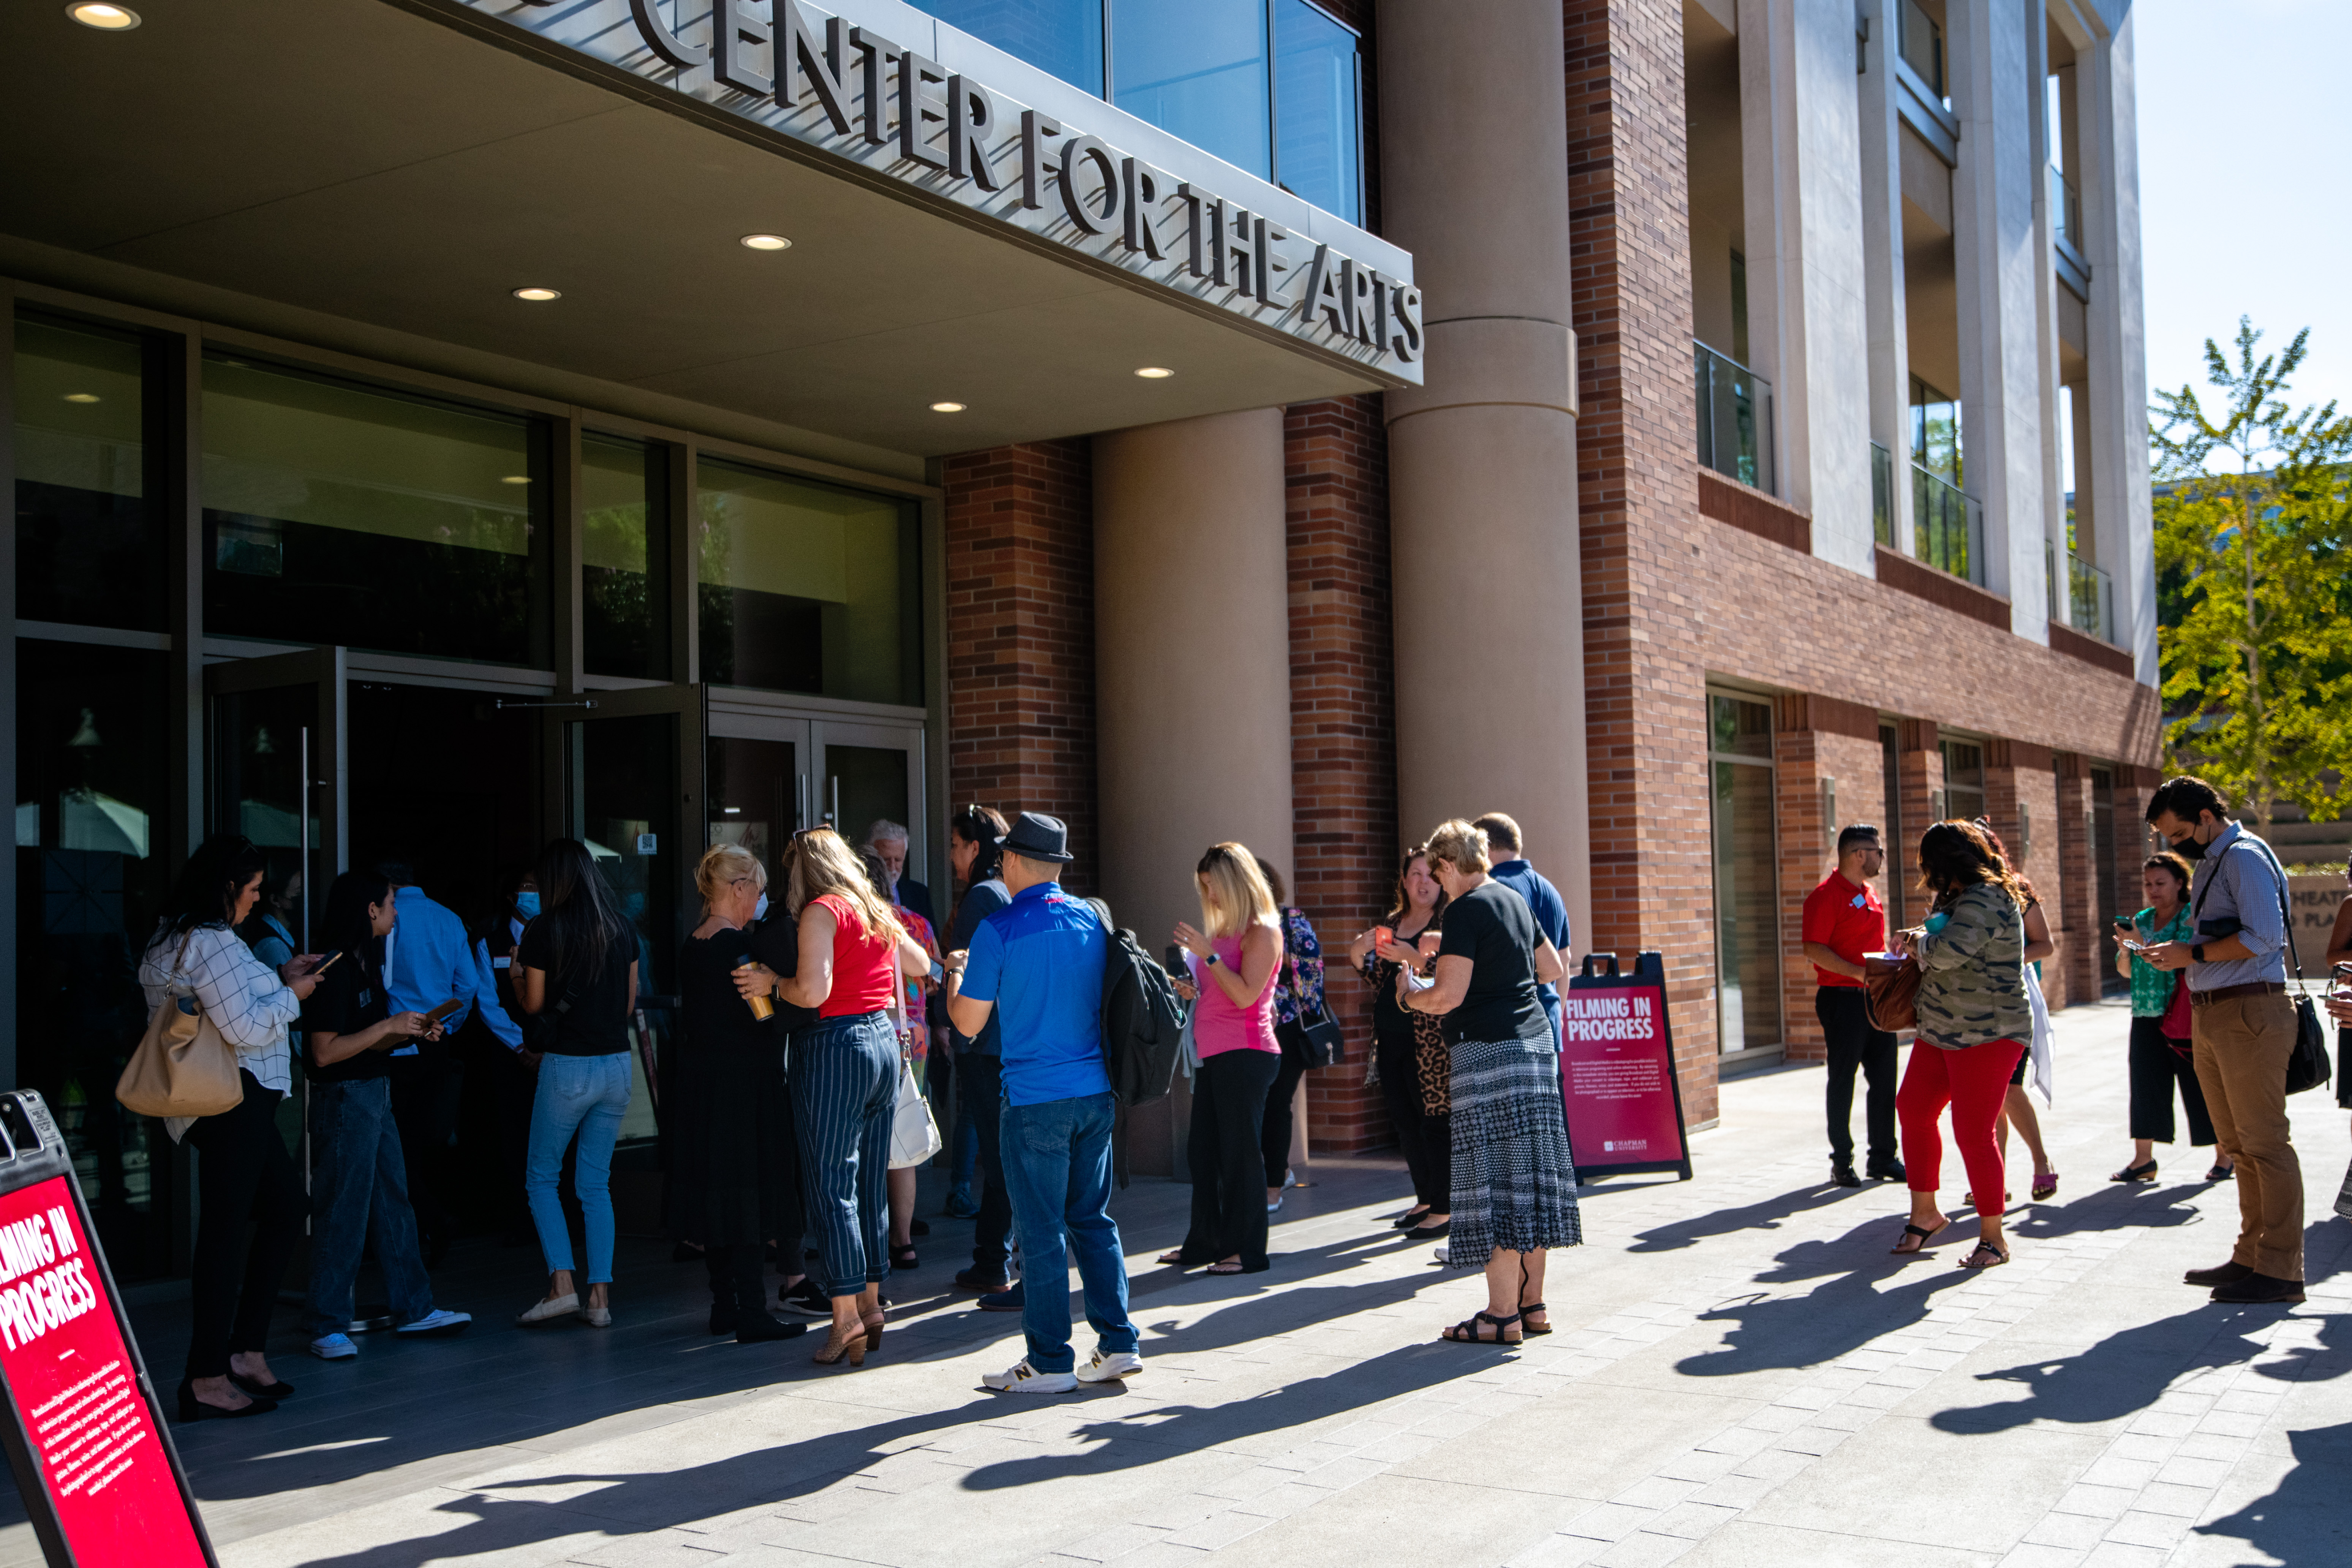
column 828, row 82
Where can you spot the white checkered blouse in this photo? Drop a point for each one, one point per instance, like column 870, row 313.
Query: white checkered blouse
column 243, row 996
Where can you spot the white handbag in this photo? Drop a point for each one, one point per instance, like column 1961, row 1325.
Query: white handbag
column 914, row 1136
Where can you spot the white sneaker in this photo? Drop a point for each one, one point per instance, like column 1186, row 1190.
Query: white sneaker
column 1022, row 1378
column 596, row 1316
column 1108, row 1366
column 334, row 1347
column 1440, row 1250
column 545, row 1311
column 437, row 1322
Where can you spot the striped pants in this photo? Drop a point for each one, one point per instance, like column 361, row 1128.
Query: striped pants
column 843, row 1078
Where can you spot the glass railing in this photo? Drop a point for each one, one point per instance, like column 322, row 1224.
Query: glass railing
column 2089, row 605
column 1946, row 526
column 1735, row 418
column 1882, row 494
column 2066, row 210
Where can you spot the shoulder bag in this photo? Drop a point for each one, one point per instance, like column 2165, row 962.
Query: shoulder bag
column 914, row 1136
column 1314, row 1036
column 180, row 1066
column 1891, row 992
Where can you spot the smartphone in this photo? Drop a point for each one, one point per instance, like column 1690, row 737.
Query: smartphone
column 445, row 1009
column 1176, row 964
column 1382, row 937
column 328, row 960
column 2339, row 980
column 2124, row 922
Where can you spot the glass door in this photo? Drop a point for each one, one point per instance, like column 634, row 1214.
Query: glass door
column 869, row 773
column 1746, row 872
column 633, row 793
column 758, row 775
column 279, row 770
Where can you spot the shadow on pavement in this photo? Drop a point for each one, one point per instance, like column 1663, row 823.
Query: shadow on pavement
column 2124, row 1373
column 2304, row 1521
column 1766, row 1214
column 1824, row 1323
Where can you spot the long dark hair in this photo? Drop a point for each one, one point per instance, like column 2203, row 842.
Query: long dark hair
column 584, row 926
column 205, row 893
column 346, row 926
column 1955, row 856
column 985, row 826
column 2024, row 882
column 1399, row 903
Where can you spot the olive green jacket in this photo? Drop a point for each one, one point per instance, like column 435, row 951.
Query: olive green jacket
column 1972, row 974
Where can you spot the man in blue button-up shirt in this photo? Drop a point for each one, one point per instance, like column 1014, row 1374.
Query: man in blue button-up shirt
column 2244, row 1028
column 1037, row 964
column 428, row 961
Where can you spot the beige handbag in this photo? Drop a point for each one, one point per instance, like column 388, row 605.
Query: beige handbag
column 182, row 1066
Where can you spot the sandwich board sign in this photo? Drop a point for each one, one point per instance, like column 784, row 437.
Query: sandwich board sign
column 84, row 1431
column 1617, row 1070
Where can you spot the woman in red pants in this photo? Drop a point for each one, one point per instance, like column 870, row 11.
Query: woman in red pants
column 1974, row 1021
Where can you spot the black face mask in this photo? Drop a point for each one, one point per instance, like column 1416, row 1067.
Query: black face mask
column 2190, row 850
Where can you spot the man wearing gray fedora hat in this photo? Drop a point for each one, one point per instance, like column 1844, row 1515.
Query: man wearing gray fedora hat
column 1037, row 967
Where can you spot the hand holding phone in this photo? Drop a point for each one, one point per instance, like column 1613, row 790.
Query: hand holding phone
column 443, row 1012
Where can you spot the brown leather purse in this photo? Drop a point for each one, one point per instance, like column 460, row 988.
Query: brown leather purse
column 1892, row 985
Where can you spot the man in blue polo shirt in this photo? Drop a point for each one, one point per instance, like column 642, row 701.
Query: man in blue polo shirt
column 1510, row 868
column 1038, row 965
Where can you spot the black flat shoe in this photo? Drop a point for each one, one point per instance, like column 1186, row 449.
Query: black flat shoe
column 2221, row 1173
column 1407, row 1219
column 1843, row 1176
column 262, row 1390
column 1429, row 1232
column 2135, row 1173
column 194, row 1409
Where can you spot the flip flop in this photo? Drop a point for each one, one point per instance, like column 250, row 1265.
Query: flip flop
column 1925, row 1237
column 1984, row 1250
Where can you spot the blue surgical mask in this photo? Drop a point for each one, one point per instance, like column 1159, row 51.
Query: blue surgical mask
column 527, row 903
column 760, row 909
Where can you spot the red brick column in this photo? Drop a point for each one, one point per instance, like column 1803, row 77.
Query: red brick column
column 2135, row 787
column 1637, row 497
column 1342, row 726
column 1828, row 772
column 2022, row 798
column 1920, row 771
column 2076, row 862
column 1020, row 636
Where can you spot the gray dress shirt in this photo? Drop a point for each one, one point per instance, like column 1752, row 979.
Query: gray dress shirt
column 2236, row 882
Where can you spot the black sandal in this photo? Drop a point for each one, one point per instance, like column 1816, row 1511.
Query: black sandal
column 1409, row 1218
column 1984, row 1250
column 905, row 1258
column 1465, row 1332
column 1529, row 1329
column 2218, row 1174
column 1924, row 1237
column 2135, row 1173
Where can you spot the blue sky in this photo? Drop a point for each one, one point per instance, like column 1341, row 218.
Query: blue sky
column 2245, row 200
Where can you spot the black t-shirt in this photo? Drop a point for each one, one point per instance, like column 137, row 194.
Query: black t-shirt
column 776, row 943
column 596, row 1023
column 980, row 901
column 1392, row 1025
column 1492, row 927
column 346, row 1000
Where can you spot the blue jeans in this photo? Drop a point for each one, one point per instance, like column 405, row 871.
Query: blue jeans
column 587, row 1095
column 359, row 1193
column 1058, row 1164
column 844, row 1076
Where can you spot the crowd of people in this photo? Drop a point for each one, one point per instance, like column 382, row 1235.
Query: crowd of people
column 815, row 1014
column 2212, row 1020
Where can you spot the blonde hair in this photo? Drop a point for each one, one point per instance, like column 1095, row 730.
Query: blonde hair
column 824, row 865
column 1234, row 894
column 1459, row 844
column 724, row 865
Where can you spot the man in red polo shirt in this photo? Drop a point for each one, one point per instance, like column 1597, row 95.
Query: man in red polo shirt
column 1844, row 921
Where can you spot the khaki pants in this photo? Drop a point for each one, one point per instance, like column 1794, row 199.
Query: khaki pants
column 2242, row 1043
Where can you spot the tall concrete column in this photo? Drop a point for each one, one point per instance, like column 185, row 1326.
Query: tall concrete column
column 1482, row 459
column 1192, row 656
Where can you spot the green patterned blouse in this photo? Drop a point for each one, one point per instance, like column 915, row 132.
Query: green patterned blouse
column 2151, row 987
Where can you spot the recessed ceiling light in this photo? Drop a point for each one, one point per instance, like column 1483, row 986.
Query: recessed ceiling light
column 516, row 480
column 82, row 397
column 947, row 408
column 105, row 19
column 766, row 242
column 1155, row 372
column 537, row 295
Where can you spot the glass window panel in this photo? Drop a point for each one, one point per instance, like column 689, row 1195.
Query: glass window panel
column 1196, row 69
column 1740, row 728
column 1063, row 37
column 1936, row 432
column 1964, row 790
column 1746, row 908
column 1318, row 140
column 92, row 869
column 88, row 543
column 338, row 515
column 864, row 786
column 754, row 791
column 625, row 785
column 808, row 587
column 623, row 549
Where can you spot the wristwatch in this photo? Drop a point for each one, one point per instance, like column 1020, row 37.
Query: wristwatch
column 1210, row 960
column 2197, row 951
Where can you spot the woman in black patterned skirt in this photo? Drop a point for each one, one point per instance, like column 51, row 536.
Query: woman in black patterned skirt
column 1514, row 1184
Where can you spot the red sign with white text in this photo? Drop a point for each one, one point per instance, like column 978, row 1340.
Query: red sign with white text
column 1617, row 1073
column 76, row 1390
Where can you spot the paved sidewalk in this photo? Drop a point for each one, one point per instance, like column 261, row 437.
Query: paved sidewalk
column 1741, row 1375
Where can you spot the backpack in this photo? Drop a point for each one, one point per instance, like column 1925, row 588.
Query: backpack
column 1142, row 1021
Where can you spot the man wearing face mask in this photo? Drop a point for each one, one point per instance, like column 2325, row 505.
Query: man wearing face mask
column 2243, row 1032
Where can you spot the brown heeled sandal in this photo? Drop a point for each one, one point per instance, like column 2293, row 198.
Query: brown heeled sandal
column 837, row 1345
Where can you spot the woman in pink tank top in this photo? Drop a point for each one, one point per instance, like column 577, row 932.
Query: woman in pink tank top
column 1233, row 965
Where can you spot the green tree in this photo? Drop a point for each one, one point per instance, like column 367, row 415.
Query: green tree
column 2257, row 652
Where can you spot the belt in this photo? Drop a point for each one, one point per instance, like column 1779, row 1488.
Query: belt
column 2251, row 988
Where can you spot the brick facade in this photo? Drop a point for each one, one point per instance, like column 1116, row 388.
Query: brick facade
column 1020, row 636
column 1342, row 724
column 1828, row 772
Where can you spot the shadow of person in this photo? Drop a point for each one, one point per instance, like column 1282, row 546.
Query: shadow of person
column 1165, row 1431
column 1280, row 1311
column 1824, row 1323
column 1769, row 1214
column 2330, row 1358
column 638, row 1503
column 2126, row 1372
column 2304, row 1521
column 2114, row 1207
